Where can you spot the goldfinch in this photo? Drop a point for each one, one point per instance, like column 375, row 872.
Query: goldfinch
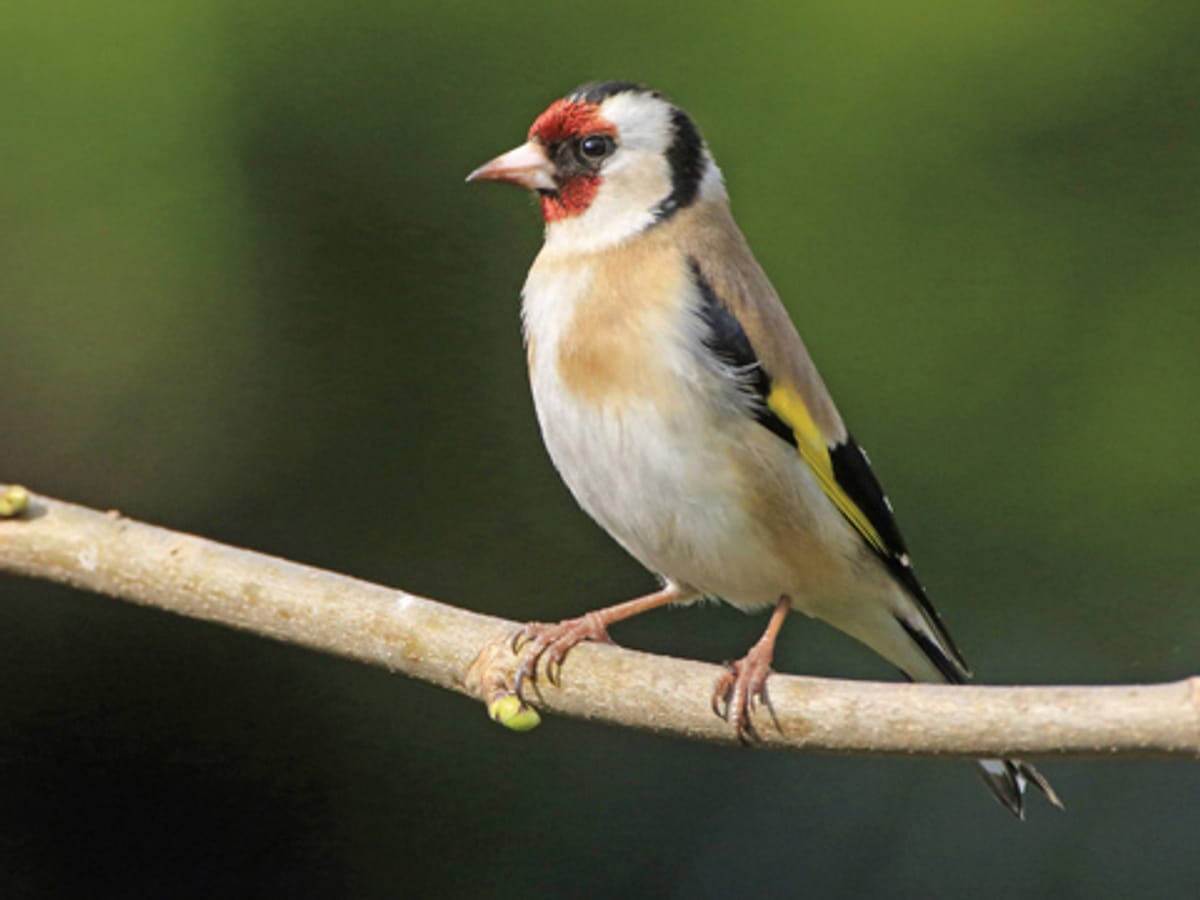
column 681, row 408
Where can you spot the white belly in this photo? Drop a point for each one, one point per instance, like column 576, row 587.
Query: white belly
column 656, row 484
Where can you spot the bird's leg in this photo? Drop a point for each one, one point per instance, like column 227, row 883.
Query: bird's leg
column 552, row 641
column 739, row 689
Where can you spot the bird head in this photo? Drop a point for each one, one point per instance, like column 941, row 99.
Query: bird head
column 609, row 160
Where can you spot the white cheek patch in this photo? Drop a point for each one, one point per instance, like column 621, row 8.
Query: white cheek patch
column 637, row 185
column 634, row 181
column 624, row 205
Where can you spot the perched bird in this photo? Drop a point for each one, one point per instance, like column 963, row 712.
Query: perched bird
column 681, row 408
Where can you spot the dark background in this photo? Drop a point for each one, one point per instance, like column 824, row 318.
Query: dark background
column 245, row 293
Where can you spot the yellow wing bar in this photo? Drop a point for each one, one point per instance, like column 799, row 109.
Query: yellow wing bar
column 786, row 403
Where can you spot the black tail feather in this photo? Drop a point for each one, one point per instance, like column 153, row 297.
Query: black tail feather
column 1007, row 780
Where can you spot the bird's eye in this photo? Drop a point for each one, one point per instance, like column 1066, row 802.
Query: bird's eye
column 595, row 147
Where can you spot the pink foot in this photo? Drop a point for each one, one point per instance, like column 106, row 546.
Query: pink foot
column 739, row 691
column 553, row 641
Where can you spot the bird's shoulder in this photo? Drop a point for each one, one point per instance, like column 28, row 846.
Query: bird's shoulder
column 739, row 299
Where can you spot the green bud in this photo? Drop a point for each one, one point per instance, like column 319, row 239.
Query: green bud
column 13, row 502
column 509, row 711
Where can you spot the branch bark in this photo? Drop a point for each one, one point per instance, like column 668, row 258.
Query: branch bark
column 467, row 652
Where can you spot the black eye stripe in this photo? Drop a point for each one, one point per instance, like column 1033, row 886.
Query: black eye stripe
column 570, row 160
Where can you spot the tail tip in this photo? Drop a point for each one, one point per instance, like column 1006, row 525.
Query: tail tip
column 1007, row 779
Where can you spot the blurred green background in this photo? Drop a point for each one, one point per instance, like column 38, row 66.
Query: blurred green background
column 245, row 293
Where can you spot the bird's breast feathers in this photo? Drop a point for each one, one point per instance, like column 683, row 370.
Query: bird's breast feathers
column 656, row 436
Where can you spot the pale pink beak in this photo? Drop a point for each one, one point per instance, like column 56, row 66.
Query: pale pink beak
column 527, row 166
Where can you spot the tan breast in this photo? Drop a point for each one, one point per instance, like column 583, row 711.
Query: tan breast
column 611, row 350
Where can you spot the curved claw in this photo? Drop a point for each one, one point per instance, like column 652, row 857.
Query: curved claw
column 723, row 693
column 523, row 674
column 537, row 640
column 738, row 694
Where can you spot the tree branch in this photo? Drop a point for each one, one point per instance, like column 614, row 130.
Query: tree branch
column 467, row 652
